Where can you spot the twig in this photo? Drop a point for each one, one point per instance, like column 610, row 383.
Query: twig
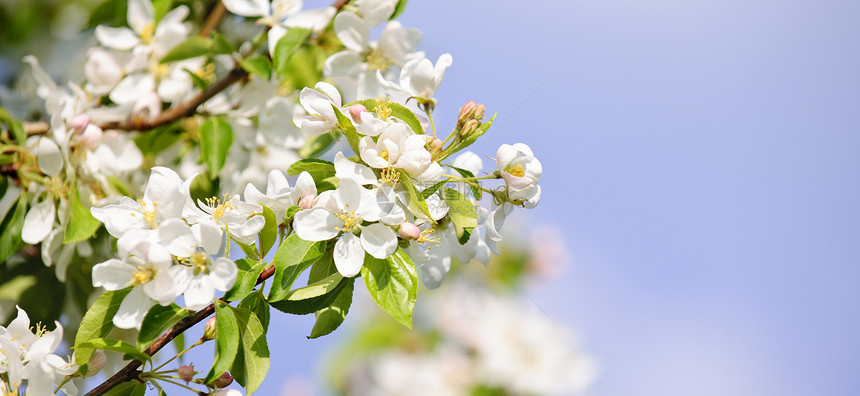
column 213, row 19
column 130, row 371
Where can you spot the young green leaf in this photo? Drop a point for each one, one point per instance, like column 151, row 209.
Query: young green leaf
column 130, row 388
column 192, row 47
column 393, row 284
column 129, row 351
column 256, row 303
column 316, row 144
column 157, row 321
column 461, row 210
column 249, row 271
column 416, row 200
column 216, row 137
column 252, row 362
column 398, row 110
column 97, row 323
column 226, row 341
column 461, row 144
column 330, row 318
column 318, row 169
column 259, row 66
column 269, row 233
column 293, row 257
column 312, row 297
column 287, row 46
column 10, row 229
column 82, row 225
column 398, row 9
column 347, row 128
column 476, row 190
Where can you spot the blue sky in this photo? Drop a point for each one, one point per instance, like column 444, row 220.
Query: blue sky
column 701, row 158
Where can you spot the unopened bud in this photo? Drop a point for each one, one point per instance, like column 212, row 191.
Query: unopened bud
column 467, row 112
column 186, row 373
column 355, row 112
column 433, row 143
column 470, row 127
column 479, row 111
column 96, row 364
column 225, row 392
column 223, row 381
column 408, row 230
column 91, row 135
column 210, row 330
column 306, row 202
column 80, row 121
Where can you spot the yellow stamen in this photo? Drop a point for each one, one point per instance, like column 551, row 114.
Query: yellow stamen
column 349, row 218
column 143, row 275
column 149, row 215
column 427, row 237
column 382, row 109
column 376, row 60
column 200, row 261
column 516, row 170
column 147, row 33
column 389, row 175
column 219, row 208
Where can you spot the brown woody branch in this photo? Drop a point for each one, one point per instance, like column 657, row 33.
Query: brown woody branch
column 131, row 372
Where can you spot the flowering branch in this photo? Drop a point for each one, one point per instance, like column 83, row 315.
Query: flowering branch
column 130, row 372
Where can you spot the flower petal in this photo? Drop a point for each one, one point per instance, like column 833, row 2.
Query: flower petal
column 200, row 293
column 352, row 31
column 222, row 274
column 315, row 19
column 346, row 169
column 317, row 224
column 112, row 274
column 49, row 157
column 121, row 39
column 133, row 309
column 379, row 240
column 38, row 222
column 348, row 255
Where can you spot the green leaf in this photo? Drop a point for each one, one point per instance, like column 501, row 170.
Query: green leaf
column 287, row 46
column 312, row 297
column 198, row 81
column 316, row 144
column 192, row 47
column 248, row 272
column 161, row 8
column 129, row 388
column 467, row 234
column 108, row 344
column 157, row 321
column 269, row 233
column 97, row 323
column 249, row 250
column 220, row 45
column 259, row 66
column 398, row 9
column 331, row 317
column 82, row 225
column 318, row 169
column 252, row 362
column 293, row 257
column 347, row 128
column 226, row 341
column 158, row 139
column 10, row 229
column 427, row 192
column 393, row 283
column 257, row 304
column 109, row 12
column 476, row 190
column 416, row 200
column 216, row 137
column 14, row 125
column 461, row 210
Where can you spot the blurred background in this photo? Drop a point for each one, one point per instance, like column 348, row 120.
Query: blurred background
column 701, row 168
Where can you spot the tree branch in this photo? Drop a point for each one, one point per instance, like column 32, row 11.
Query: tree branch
column 213, row 19
column 130, row 371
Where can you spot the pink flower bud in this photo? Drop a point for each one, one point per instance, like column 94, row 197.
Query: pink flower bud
column 479, row 111
column 355, row 112
column 223, row 381
column 433, row 143
column 186, row 373
column 466, row 112
column 306, row 202
column 80, row 121
column 91, row 136
column 408, row 230
column 96, row 364
column 210, row 331
column 470, row 127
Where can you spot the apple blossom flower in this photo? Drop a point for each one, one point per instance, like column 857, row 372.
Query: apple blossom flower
column 281, row 15
column 521, row 171
column 318, row 103
column 419, row 77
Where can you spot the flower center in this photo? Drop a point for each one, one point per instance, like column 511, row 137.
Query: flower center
column 219, row 209
column 349, row 218
column 148, row 215
column 516, row 170
column 382, row 108
column 389, row 175
column 428, row 237
column 147, row 33
column 57, row 187
column 206, row 73
column 376, row 60
column 143, row 275
column 384, row 155
column 200, row 261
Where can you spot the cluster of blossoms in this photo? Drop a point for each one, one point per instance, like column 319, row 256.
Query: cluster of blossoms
column 28, row 355
column 165, row 114
column 481, row 341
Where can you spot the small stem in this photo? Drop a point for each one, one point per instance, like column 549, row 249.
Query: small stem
column 200, row 341
column 168, row 380
column 430, row 117
column 65, row 380
column 213, row 19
